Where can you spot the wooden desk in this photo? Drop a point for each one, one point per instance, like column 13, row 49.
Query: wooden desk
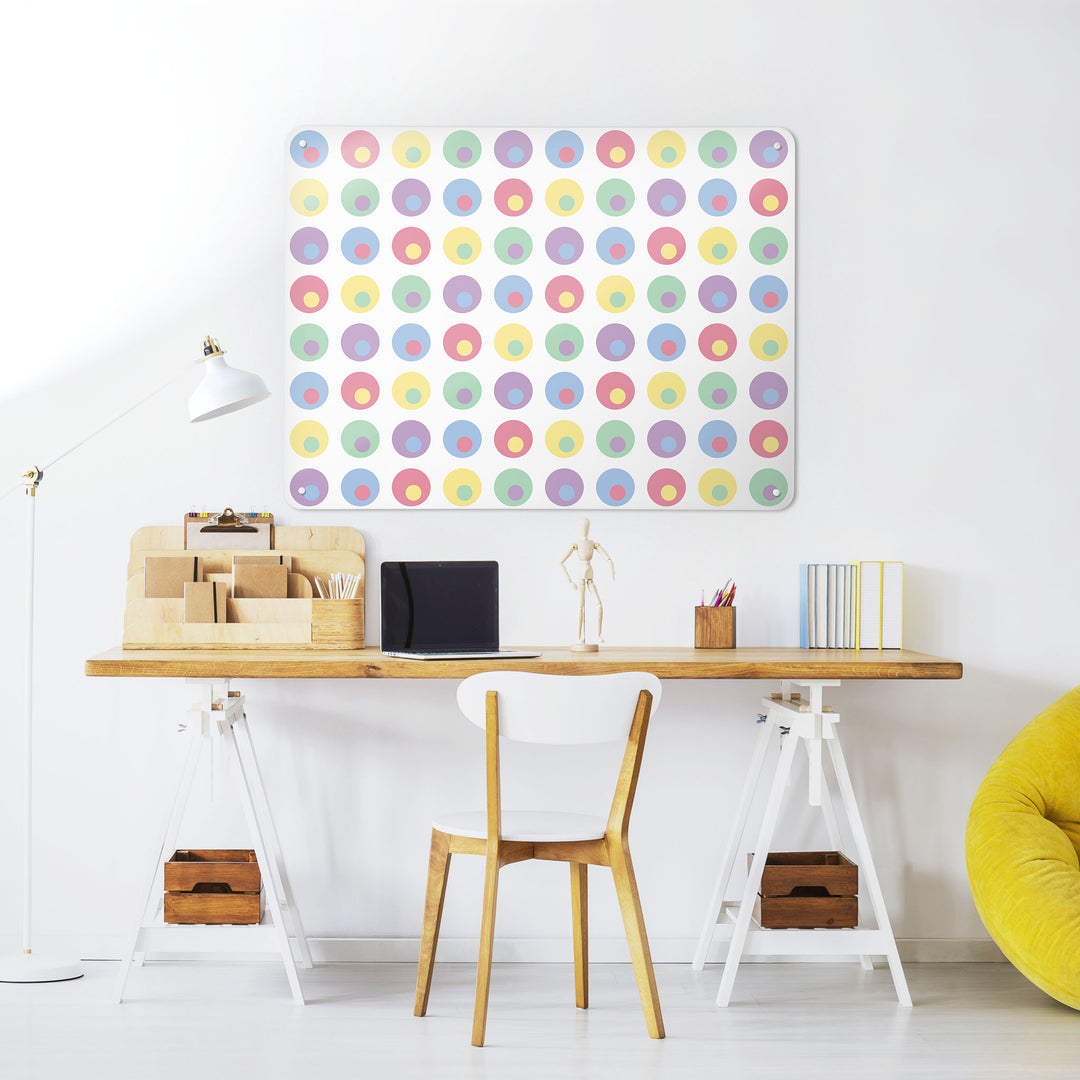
column 789, row 717
column 665, row 663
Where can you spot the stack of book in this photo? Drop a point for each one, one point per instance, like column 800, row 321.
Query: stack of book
column 851, row 605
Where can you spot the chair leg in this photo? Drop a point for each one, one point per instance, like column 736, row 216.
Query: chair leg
column 634, row 922
column 487, row 943
column 579, row 904
column 438, row 871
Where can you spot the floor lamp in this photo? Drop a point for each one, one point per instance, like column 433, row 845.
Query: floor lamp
column 223, row 389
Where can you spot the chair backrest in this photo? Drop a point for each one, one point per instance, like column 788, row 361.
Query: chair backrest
column 565, row 710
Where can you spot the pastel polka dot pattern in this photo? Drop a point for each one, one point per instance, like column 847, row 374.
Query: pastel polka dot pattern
column 504, row 318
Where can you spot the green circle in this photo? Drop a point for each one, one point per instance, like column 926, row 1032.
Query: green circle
column 615, row 429
column 413, row 395
column 719, row 251
column 452, row 388
column 464, row 493
column 362, row 190
column 566, row 443
column 669, row 395
column 717, row 390
column 768, row 478
column 362, row 299
column 719, row 493
column 771, row 347
column 406, row 286
column 667, row 284
column 412, row 154
column 717, row 149
column 766, row 236
column 566, row 202
column 464, row 251
column 513, row 478
column 564, row 334
column 617, row 299
column 355, row 431
column 611, row 190
column 311, row 444
column 459, row 141
column 305, row 333
column 668, row 153
column 513, row 237
column 311, row 202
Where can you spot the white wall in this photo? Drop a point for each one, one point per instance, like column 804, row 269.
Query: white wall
column 937, row 388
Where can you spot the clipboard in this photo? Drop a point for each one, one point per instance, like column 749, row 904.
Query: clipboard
column 229, row 531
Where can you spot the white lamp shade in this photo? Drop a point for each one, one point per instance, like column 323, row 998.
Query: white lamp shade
column 223, row 390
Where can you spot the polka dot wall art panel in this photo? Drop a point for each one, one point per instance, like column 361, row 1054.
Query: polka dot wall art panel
column 540, row 318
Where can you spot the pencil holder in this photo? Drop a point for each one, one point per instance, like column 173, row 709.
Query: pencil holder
column 714, row 627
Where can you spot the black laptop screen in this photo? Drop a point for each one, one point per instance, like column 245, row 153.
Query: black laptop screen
column 440, row 606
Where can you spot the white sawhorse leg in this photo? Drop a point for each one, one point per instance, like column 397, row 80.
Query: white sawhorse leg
column 796, row 721
column 221, row 715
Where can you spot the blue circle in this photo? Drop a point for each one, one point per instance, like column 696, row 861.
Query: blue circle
column 356, row 478
column 461, row 197
column 612, row 478
column 458, row 431
column 411, row 332
column 662, row 334
column 713, row 430
column 353, row 239
column 312, row 141
column 608, row 239
column 564, row 390
column 564, row 140
column 762, row 288
column 717, row 197
column 300, row 390
column 509, row 289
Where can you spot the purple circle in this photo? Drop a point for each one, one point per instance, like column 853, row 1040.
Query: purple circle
column 564, row 246
column 717, row 293
column 411, row 438
column 666, row 439
column 768, row 149
column 413, row 299
column 309, row 245
column 617, row 444
column 360, row 342
column 515, row 492
column 768, row 390
column 308, row 487
column 564, row 487
column 513, row 390
column 464, row 396
column 666, row 197
column 513, row 149
column 615, row 342
column 461, row 293
column 770, row 251
column 411, row 197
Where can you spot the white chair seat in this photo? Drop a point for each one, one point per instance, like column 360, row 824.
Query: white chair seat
column 528, row 826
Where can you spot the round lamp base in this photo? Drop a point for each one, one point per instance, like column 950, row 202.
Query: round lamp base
column 28, row 968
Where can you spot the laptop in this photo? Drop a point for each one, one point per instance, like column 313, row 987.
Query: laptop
column 442, row 611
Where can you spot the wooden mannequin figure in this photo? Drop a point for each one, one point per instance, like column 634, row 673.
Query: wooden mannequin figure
column 585, row 548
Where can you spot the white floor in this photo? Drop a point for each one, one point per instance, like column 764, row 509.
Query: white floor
column 233, row 1021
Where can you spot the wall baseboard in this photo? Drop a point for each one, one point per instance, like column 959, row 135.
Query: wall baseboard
column 527, row 950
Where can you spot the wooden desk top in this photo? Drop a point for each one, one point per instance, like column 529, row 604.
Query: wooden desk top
column 666, row 663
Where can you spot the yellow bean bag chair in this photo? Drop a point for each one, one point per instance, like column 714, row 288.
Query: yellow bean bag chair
column 1023, row 840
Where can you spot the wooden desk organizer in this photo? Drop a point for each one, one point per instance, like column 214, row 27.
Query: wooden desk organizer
column 301, row 621
column 807, row 890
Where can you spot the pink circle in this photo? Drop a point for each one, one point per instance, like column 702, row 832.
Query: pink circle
column 464, row 203
column 719, row 444
column 618, row 492
column 360, row 390
column 618, row 251
column 413, row 347
column 770, row 299
column 566, row 395
column 515, row 299
column 464, row 444
column 615, row 390
column 311, row 153
column 311, row 395
column 719, row 203
column 666, row 487
column 362, row 492
column 411, row 481
column 668, row 348
column 309, row 293
column 566, row 153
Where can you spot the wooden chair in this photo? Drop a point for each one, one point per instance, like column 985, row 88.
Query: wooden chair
column 564, row 710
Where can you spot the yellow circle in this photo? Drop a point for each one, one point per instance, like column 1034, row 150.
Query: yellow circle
column 666, row 149
column 515, row 203
column 462, row 487
column 515, row 444
column 564, row 197
column 362, row 155
column 618, row 154
column 564, row 438
column 717, row 245
column 615, row 293
column 617, row 396
column 770, row 444
column 411, row 149
column 461, row 245
column 566, row 299
column 362, row 395
column 669, row 492
column 717, row 487
column 413, row 492
column 719, row 347
column 411, row 390
column 668, row 251
column 768, row 341
column 311, row 299
column 308, row 197
column 413, row 251
column 464, row 347
column 360, row 293
column 513, row 342
column 308, row 438
column 667, row 390
column 770, row 203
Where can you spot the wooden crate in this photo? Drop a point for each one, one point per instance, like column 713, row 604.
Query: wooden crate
column 214, row 886
column 807, row 890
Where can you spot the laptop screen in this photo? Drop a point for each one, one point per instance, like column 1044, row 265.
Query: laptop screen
column 440, row 606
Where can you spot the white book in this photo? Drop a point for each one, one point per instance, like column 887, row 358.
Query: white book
column 853, row 605
column 830, row 640
column 841, row 605
column 811, row 605
column 821, row 620
column 869, row 605
column 892, row 605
